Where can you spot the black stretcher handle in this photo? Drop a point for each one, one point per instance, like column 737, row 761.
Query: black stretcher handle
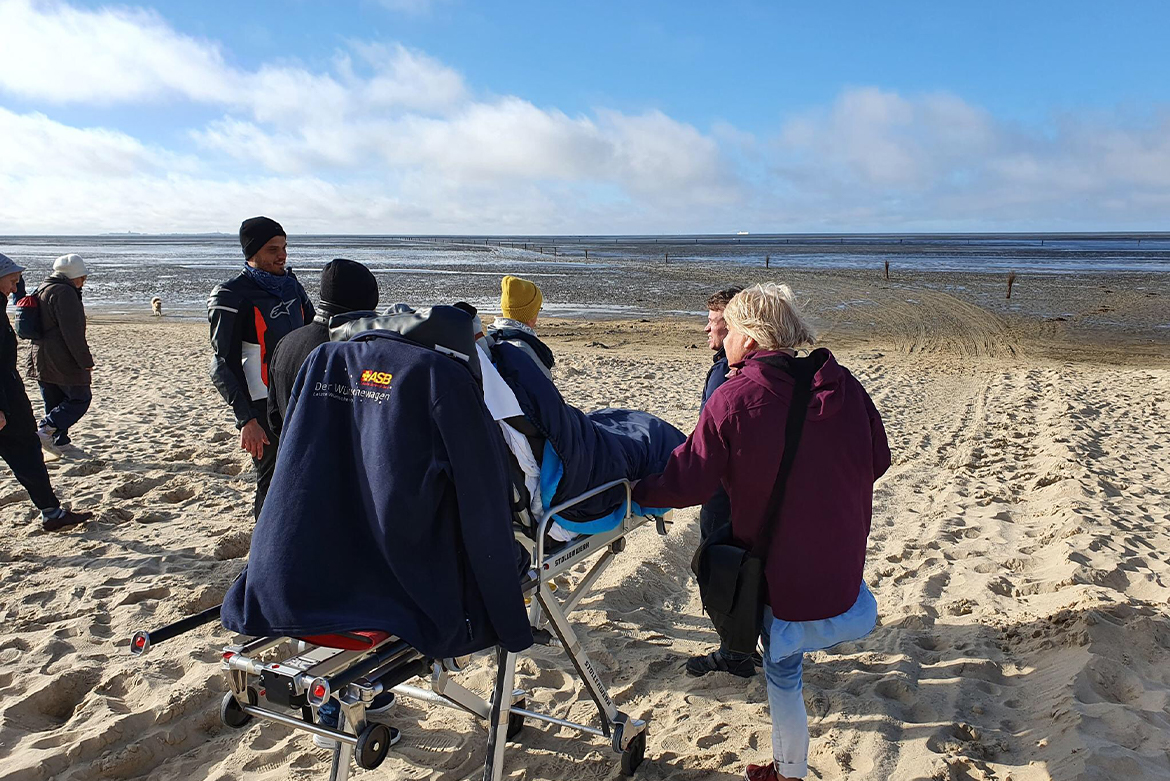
column 142, row 641
column 379, row 658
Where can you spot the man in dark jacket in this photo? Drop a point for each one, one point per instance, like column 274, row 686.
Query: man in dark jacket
column 60, row 360
column 715, row 513
column 346, row 286
column 249, row 314
column 19, row 446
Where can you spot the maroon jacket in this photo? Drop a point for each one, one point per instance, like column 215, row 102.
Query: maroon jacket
column 818, row 551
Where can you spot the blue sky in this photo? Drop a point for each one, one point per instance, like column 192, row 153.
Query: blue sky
column 448, row 115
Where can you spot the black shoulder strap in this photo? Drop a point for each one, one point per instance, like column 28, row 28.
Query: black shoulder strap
column 803, row 370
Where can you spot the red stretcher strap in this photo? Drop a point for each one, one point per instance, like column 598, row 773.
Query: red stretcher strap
column 348, row 641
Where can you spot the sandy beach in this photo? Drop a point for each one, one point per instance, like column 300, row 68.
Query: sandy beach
column 1020, row 555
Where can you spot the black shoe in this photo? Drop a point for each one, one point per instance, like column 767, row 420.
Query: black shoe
column 717, row 662
column 68, row 518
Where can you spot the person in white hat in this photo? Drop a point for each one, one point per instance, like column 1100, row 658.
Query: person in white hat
column 19, row 446
column 60, row 360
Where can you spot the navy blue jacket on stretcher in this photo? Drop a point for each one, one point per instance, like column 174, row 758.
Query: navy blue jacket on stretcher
column 594, row 448
column 389, row 508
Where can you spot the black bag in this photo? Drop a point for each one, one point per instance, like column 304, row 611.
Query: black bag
column 731, row 578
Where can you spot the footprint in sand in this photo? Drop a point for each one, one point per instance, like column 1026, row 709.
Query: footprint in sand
column 1104, row 680
column 137, row 487
column 86, row 469
column 55, row 702
column 177, row 494
column 154, row 517
column 134, row 597
column 895, row 689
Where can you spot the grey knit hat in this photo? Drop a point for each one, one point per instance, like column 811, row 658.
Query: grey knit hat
column 71, row 265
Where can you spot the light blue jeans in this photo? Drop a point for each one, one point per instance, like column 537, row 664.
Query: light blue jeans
column 789, row 719
column 785, row 644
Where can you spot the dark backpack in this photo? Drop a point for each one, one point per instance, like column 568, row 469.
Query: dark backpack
column 28, row 317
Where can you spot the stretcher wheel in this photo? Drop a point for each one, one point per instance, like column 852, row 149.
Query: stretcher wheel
column 372, row 746
column 231, row 713
column 634, row 754
column 515, row 720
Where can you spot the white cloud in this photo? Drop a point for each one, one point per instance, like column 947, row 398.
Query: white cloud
column 403, row 78
column 34, row 145
column 926, row 159
column 61, row 54
column 885, row 139
column 510, row 140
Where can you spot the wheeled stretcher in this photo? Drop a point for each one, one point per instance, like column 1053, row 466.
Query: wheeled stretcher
column 286, row 680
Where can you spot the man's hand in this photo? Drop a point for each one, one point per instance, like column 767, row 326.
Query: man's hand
column 253, row 439
column 3, row 421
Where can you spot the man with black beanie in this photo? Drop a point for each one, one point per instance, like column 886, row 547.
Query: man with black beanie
column 249, row 314
column 346, row 286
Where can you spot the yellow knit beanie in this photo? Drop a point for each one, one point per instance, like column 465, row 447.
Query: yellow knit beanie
column 519, row 299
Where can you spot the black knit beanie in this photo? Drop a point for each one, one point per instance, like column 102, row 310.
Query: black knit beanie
column 347, row 286
column 256, row 232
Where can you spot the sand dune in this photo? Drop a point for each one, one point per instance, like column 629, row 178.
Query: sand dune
column 1020, row 555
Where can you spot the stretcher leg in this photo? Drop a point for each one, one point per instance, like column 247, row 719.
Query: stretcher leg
column 586, row 584
column 572, row 645
column 627, row 736
column 443, row 685
column 493, row 769
column 339, row 770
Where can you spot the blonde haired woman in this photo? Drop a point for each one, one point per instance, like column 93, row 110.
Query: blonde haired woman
column 813, row 563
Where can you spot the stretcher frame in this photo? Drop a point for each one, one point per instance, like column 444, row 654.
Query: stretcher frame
column 314, row 674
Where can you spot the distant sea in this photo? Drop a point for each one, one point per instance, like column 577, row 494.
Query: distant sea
column 127, row 270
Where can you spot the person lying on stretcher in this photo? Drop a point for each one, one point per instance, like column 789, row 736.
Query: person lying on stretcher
column 392, row 506
column 564, row 452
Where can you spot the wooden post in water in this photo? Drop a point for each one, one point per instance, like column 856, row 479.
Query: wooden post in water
column 555, row 254
column 887, row 268
column 668, row 257
column 587, row 258
column 768, row 264
column 1011, row 280
column 542, row 250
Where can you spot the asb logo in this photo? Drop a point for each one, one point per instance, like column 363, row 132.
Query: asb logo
column 376, row 379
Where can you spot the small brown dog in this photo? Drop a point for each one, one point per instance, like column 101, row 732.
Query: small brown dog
column 156, row 305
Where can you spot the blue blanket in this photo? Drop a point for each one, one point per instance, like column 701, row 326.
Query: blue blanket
column 587, row 450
